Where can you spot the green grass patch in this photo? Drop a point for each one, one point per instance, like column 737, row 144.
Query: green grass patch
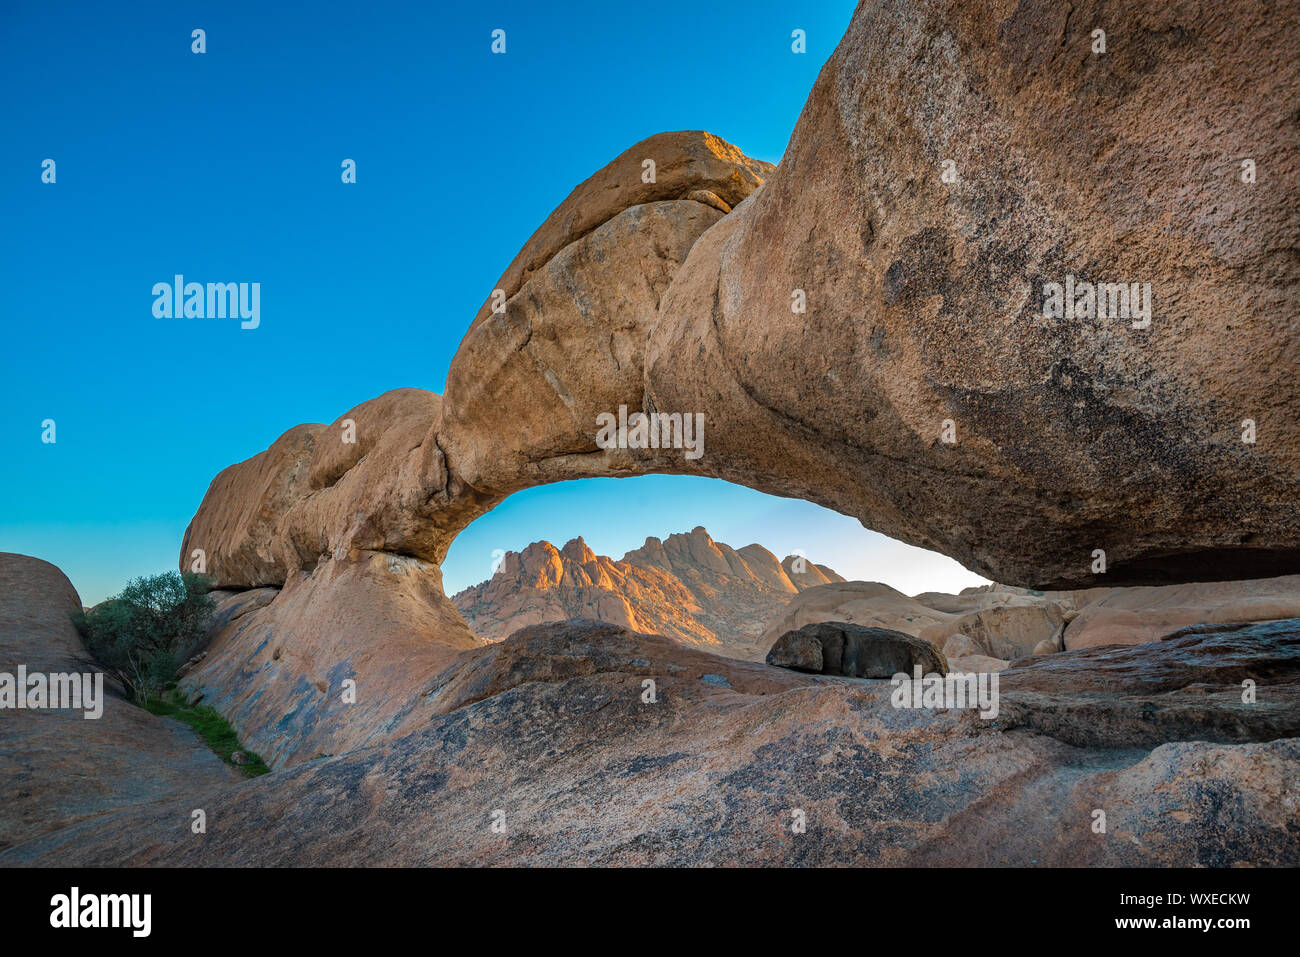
column 211, row 727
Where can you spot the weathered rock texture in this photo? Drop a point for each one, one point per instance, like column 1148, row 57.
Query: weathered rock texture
column 1233, row 682
column 1005, row 622
column 687, row 587
column 688, row 165
column 925, row 297
column 280, row 672
column 553, row 727
column 57, row 767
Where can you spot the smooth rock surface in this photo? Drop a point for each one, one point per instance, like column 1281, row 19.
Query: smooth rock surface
column 1013, row 622
column 278, row 673
column 925, row 298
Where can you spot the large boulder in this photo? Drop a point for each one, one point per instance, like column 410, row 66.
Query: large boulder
column 841, row 648
column 1010, row 622
column 1129, row 616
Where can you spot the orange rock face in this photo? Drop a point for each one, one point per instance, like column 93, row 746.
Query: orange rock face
column 687, row 587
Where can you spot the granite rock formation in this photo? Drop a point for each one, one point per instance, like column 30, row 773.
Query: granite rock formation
column 921, row 388
column 687, row 587
column 925, row 298
column 553, row 733
column 1005, row 622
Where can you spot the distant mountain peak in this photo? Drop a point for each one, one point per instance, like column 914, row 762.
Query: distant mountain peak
column 575, row 549
column 686, row 586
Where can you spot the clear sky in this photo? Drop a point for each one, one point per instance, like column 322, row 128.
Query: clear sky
column 225, row 166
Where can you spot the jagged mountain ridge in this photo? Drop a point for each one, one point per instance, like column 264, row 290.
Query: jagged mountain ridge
column 687, row 587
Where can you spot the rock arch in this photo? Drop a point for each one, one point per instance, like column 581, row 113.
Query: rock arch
column 923, row 306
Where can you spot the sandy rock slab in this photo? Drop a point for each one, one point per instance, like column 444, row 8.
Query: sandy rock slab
column 1004, row 621
column 591, row 745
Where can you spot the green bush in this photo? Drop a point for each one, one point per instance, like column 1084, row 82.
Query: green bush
column 139, row 635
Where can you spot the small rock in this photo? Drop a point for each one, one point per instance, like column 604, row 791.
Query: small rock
column 975, row 664
column 238, row 757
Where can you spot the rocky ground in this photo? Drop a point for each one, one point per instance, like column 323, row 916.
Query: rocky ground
column 548, row 748
column 1003, row 622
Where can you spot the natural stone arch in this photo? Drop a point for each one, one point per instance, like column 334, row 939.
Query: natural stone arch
column 923, row 307
column 523, row 391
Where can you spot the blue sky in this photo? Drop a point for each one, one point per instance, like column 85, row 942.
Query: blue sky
column 225, row 166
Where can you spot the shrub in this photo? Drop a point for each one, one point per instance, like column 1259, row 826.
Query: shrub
column 139, row 635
